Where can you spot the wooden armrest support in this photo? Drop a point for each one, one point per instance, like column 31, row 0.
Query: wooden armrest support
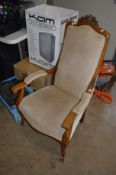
column 52, row 70
column 67, row 124
column 18, row 87
column 91, row 87
column 82, row 105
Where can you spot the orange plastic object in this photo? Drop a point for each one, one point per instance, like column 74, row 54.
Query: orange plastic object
column 105, row 96
column 107, row 68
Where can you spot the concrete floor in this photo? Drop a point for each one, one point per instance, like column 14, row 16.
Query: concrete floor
column 92, row 151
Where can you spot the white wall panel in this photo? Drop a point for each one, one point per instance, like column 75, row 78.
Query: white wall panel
column 103, row 10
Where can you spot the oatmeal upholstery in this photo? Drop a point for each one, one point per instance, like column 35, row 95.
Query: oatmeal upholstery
column 79, row 59
column 47, row 108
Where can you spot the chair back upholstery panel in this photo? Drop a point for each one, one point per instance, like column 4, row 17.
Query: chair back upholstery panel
column 79, row 59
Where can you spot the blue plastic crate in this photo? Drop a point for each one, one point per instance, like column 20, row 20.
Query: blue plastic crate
column 8, row 99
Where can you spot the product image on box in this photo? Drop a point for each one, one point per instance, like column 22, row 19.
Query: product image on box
column 47, row 46
column 45, row 29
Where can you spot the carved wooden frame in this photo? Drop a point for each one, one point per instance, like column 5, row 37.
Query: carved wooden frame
column 91, row 21
column 68, row 123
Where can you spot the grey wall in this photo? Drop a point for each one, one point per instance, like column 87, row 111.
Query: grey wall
column 103, row 10
column 50, row 2
column 36, row 2
column 43, row 1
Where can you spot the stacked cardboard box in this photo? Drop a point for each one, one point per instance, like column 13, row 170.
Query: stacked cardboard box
column 24, row 68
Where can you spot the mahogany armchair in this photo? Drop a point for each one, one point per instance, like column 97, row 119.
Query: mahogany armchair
column 56, row 110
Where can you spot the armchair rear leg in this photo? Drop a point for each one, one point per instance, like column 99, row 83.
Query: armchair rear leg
column 83, row 117
column 22, row 120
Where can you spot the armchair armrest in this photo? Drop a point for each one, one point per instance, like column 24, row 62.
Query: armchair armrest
column 34, row 76
column 20, row 86
column 82, row 105
column 78, row 109
column 69, row 120
column 28, row 80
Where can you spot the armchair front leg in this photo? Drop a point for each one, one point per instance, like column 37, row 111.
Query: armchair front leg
column 78, row 111
column 67, row 125
column 65, row 140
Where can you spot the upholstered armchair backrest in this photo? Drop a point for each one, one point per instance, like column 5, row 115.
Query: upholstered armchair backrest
column 79, row 59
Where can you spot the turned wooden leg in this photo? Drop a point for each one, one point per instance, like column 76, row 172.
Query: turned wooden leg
column 63, row 150
column 64, row 142
column 22, row 120
column 83, row 117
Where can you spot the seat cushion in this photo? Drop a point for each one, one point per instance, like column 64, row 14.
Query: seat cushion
column 46, row 110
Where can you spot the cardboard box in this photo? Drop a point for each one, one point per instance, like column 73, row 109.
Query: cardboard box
column 24, row 68
column 45, row 29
